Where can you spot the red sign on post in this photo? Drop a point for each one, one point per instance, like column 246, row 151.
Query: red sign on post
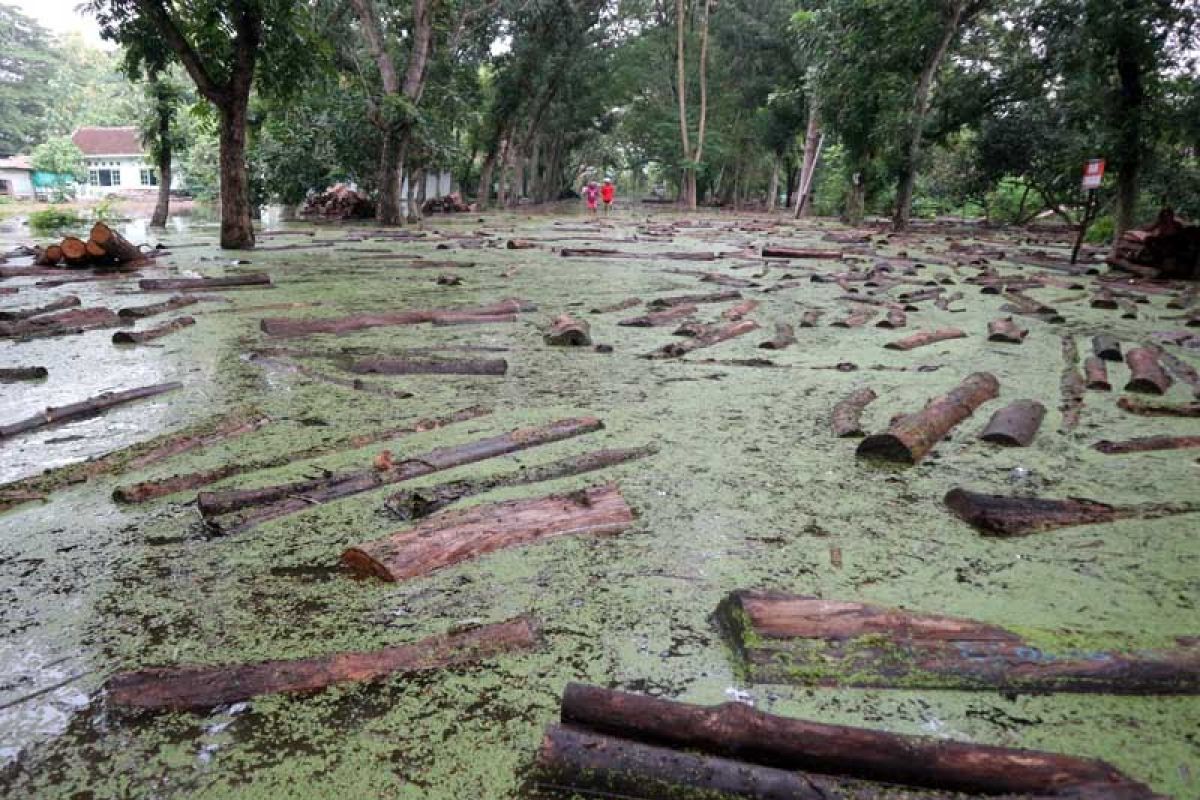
column 1093, row 173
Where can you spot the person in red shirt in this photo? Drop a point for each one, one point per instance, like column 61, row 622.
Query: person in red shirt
column 607, row 193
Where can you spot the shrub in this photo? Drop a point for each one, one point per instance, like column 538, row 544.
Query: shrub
column 54, row 218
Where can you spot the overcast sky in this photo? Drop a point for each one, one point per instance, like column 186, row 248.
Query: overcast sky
column 59, row 16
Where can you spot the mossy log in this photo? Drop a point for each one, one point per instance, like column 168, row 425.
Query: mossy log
column 777, row 251
column 692, row 299
column 254, row 279
column 658, row 319
column 712, row 335
column 785, row 336
column 61, row 304
column 1106, row 347
column 1151, row 409
column 141, row 312
column 282, row 326
column 1145, row 444
column 150, row 334
column 910, row 437
column 442, row 366
column 23, row 373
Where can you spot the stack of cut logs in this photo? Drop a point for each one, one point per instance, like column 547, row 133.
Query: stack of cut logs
column 104, row 247
column 1169, row 247
column 450, row 204
column 340, row 202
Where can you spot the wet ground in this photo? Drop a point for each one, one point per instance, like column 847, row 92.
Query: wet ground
column 748, row 489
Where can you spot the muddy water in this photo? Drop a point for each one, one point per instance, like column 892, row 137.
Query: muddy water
column 748, row 489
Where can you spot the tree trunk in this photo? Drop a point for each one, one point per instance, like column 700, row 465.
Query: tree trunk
column 1129, row 137
column 856, row 200
column 484, row 195
column 908, row 168
column 703, row 122
column 237, row 228
column 387, row 210
column 162, row 207
column 687, row 186
column 812, row 135
column 773, row 186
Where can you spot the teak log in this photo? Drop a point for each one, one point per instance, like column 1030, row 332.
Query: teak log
column 1019, row 516
column 692, row 299
column 51, row 255
column 23, row 373
column 95, row 252
column 855, row 319
column 568, row 331
column 1016, row 424
column 740, row 310
column 283, row 326
column 1005, row 330
column 200, row 687
column 189, row 284
column 923, row 338
column 355, row 384
column 1150, row 409
column 848, row 412
column 810, row 318
column 1071, row 386
column 1096, row 374
column 75, row 320
column 70, row 301
column 519, row 244
column 450, row 537
column 74, row 251
column 895, row 318
column 772, row 251
column 337, row 487
column 910, row 438
column 141, row 312
column 446, row 366
column 658, row 319
column 114, row 245
column 627, row 303
column 150, row 334
column 443, row 320
column 785, row 336
column 1180, row 368
column 1147, row 375
column 1145, row 444
column 85, row 408
column 785, row 638
column 740, row 731
column 411, row 504
column 711, row 336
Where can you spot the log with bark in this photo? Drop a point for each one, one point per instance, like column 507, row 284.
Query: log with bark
column 61, row 304
column 451, row 537
column 454, row 318
column 568, row 331
column 150, row 334
column 273, row 502
column 661, row 303
column 712, row 335
column 192, row 284
column 444, row 366
column 847, row 414
column 786, row 638
column 657, row 319
column 8, row 374
column 742, row 732
column 48, row 256
column 1096, row 374
column 911, row 436
column 354, row 384
column 201, row 687
column 627, row 303
column 923, row 338
column 1027, row 306
column 520, row 244
column 85, row 408
column 63, row 323
column 1146, row 444
column 1148, row 408
column 775, row 251
column 411, row 504
column 141, row 312
column 739, row 311
column 1071, row 386
column 784, row 337
column 74, row 251
column 896, row 318
column 998, row 515
column 1146, row 374
column 1179, row 368
column 113, row 245
column 1016, row 424
column 1005, row 330
column 855, row 319
column 282, row 326
column 810, row 318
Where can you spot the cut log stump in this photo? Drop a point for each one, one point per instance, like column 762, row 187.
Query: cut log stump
column 1106, row 347
column 200, row 687
column 113, row 245
column 1096, row 374
column 910, row 438
column 1016, row 424
column 450, row 537
column 847, row 414
column 784, row 337
column 1147, row 375
column 1005, row 330
column 568, row 331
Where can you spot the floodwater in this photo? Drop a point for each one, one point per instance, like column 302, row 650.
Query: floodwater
column 748, row 489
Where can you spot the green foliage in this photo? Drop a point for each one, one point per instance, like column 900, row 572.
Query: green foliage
column 1102, row 230
column 106, row 209
column 53, row 219
column 61, row 157
column 26, row 64
column 201, row 165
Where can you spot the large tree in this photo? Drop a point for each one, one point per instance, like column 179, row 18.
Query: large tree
column 26, row 65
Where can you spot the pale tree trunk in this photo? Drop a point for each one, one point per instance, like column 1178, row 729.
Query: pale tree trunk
column 920, row 110
column 773, row 186
column 703, row 121
column 812, row 135
column 688, row 181
column 856, row 200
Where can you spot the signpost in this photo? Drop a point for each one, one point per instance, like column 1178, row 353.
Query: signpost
column 1093, row 175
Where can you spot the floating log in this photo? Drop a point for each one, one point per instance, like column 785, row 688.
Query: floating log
column 740, row 310
column 450, row 537
column 784, row 337
column 190, row 284
column 355, row 384
column 149, row 490
column 200, row 687
column 1096, row 374
column 923, row 338
column 774, row 251
column 740, row 731
column 70, row 301
column 446, row 366
column 910, row 438
column 1071, row 386
column 358, row 322
column 74, row 251
column 1147, row 375
column 141, row 312
column 1023, row 304
column 785, row 638
column 658, row 319
column 150, row 334
column 1016, row 424
column 693, row 299
column 76, row 320
column 85, row 408
column 277, row 501
column 1145, row 444
column 1147, row 408
column 855, row 319
column 712, row 335
column 520, row 244
column 445, row 320
column 895, row 318
column 690, row 329
column 23, row 373
column 411, row 504
column 810, row 318
column 1019, row 516
column 627, row 303
column 1005, row 330
column 568, row 331
column 848, row 412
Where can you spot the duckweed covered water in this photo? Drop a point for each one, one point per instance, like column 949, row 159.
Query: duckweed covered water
column 748, row 489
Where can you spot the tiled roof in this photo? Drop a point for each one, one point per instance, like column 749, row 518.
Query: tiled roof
column 16, row 162
column 108, row 141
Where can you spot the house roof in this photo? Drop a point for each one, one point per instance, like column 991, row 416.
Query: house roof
column 17, row 162
column 108, row 141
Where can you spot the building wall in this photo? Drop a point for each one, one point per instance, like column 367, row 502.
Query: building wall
column 129, row 170
column 17, row 182
column 437, row 184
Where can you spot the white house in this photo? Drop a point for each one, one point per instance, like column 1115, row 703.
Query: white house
column 116, row 163
column 16, row 177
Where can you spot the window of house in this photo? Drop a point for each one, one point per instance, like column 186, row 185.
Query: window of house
column 5, row 187
column 149, row 178
column 104, row 177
